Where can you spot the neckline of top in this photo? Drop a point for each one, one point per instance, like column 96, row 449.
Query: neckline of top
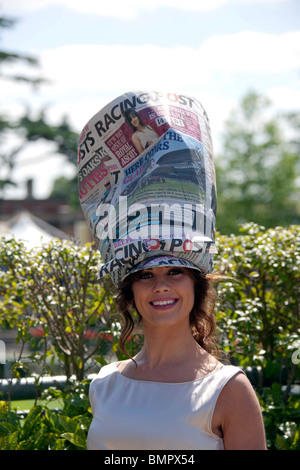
column 115, row 364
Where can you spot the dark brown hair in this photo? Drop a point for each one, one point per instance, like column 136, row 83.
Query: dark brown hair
column 202, row 319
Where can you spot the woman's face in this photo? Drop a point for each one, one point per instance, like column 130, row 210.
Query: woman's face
column 164, row 295
column 134, row 120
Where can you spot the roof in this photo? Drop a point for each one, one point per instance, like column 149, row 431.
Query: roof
column 31, row 229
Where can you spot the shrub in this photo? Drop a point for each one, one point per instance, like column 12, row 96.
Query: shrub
column 52, row 292
column 258, row 316
column 259, row 308
column 46, row 429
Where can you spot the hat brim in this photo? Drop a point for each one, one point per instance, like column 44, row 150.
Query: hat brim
column 163, row 262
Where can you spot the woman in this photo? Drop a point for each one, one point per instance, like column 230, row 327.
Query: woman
column 174, row 394
column 144, row 135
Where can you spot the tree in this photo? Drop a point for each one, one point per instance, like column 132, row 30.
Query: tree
column 62, row 135
column 26, row 128
column 9, row 57
column 8, row 158
column 257, row 170
column 66, row 188
column 65, row 140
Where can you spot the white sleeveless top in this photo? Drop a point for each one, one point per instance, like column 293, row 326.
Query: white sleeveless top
column 138, row 414
column 147, row 135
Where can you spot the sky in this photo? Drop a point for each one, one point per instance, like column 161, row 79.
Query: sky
column 92, row 51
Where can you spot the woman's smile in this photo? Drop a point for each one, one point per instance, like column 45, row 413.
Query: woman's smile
column 163, row 303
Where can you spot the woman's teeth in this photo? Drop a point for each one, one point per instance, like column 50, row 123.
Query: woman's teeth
column 163, row 302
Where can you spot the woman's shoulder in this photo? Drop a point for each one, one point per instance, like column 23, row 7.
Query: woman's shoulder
column 239, row 415
column 237, row 396
column 135, row 136
column 106, row 370
column 238, row 384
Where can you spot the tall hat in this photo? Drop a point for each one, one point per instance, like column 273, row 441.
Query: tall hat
column 147, row 183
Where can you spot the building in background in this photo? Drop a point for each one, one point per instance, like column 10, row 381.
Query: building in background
column 51, row 217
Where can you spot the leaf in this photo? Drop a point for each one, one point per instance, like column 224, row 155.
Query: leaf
column 7, row 428
column 10, row 442
column 100, row 360
column 68, row 424
column 58, row 445
column 51, row 420
column 78, row 438
column 296, row 441
column 32, row 422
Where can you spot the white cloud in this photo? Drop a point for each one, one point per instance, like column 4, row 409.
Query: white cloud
column 285, row 98
column 86, row 77
column 128, row 9
column 250, row 51
column 107, row 67
column 77, row 71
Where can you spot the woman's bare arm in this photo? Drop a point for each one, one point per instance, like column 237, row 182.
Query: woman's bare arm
column 239, row 417
column 137, row 143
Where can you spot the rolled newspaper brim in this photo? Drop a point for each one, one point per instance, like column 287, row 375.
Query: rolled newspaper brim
column 163, row 262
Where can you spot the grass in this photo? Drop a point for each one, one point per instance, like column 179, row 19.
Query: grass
column 25, row 405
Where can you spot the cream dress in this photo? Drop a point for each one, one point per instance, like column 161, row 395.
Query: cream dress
column 138, row 414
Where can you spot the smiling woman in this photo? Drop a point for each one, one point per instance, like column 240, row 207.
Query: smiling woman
column 174, row 393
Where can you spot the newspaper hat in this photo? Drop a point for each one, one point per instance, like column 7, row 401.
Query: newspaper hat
column 147, row 182
column 163, row 261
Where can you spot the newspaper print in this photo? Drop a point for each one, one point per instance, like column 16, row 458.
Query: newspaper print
column 147, row 180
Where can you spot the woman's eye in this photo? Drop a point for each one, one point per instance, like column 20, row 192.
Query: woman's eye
column 145, row 275
column 175, row 271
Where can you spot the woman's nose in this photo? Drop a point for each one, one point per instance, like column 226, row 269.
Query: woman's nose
column 161, row 284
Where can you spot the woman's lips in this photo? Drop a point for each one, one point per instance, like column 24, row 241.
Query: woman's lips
column 164, row 303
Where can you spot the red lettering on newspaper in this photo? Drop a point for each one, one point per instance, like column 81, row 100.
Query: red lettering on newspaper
column 92, row 180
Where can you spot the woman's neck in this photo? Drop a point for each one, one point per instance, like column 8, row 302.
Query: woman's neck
column 170, row 348
column 169, row 357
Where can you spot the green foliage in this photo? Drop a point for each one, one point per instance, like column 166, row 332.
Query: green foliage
column 258, row 167
column 281, row 418
column 45, row 429
column 13, row 57
column 55, row 288
column 66, row 188
column 258, row 318
column 26, row 129
column 8, row 158
column 62, row 135
column 258, row 311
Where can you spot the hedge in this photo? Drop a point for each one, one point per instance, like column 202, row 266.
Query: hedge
column 53, row 299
